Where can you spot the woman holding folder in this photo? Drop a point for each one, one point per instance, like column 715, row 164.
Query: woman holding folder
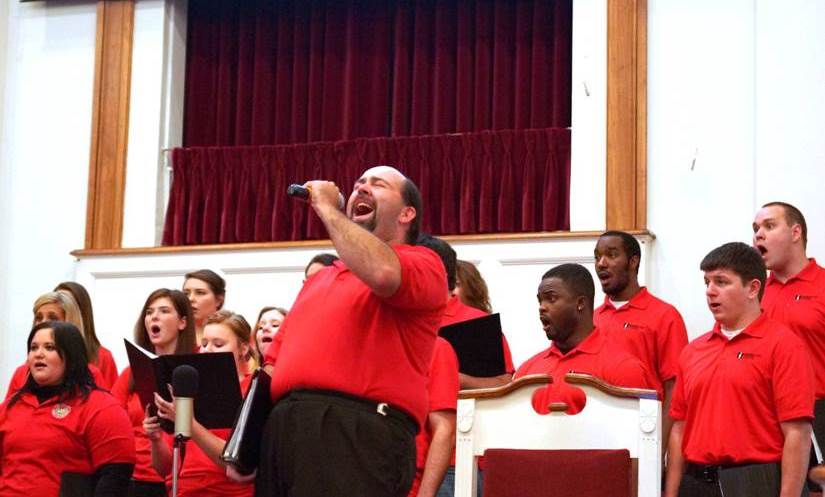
column 203, row 473
column 60, row 429
column 164, row 326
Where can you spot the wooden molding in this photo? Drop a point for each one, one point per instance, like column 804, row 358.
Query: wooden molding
column 626, row 114
column 323, row 244
column 110, row 123
column 492, row 393
column 616, row 391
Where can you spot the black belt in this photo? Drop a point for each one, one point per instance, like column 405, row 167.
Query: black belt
column 709, row 473
column 360, row 403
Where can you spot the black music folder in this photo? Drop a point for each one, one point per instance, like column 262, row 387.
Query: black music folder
column 477, row 343
column 219, row 392
column 243, row 447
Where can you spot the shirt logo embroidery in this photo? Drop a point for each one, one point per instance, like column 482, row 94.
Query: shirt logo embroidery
column 745, row 355
column 60, row 411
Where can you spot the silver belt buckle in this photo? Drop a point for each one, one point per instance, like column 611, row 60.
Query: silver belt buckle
column 381, row 408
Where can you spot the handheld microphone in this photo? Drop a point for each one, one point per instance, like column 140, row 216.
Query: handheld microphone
column 185, row 386
column 301, row 192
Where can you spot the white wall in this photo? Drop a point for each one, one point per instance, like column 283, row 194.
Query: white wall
column 256, row 278
column 44, row 156
column 736, row 111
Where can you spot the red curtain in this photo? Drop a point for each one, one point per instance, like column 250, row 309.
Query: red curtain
column 265, row 72
column 485, row 182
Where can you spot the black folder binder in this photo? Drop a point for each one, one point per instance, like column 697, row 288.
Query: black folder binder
column 243, row 447
column 219, row 392
column 477, row 343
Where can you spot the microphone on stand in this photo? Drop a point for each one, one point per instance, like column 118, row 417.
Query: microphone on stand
column 301, row 192
column 185, row 386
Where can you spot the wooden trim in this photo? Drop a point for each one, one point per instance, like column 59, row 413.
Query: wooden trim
column 492, row 393
column 324, row 244
column 626, row 114
column 110, row 123
column 598, row 383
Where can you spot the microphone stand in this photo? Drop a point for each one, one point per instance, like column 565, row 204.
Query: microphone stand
column 178, row 448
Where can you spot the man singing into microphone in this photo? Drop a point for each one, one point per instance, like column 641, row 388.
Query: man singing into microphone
column 349, row 372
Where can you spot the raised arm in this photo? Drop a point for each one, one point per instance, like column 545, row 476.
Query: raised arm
column 366, row 255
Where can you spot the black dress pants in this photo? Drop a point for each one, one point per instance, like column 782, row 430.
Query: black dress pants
column 321, row 444
column 752, row 480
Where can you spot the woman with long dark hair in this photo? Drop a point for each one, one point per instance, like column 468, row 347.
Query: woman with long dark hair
column 60, row 424
column 164, row 326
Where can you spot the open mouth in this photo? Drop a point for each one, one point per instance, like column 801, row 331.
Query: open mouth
column 266, row 339
column 603, row 276
column 362, row 209
column 155, row 330
column 39, row 365
column 714, row 306
column 762, row 249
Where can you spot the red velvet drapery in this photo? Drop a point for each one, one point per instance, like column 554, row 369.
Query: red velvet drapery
column 285, row 91
column 265, row 72
column 490, row 181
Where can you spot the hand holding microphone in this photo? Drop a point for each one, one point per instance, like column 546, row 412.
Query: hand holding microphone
column 318, row 193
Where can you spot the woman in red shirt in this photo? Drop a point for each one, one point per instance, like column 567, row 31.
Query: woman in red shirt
column 203, row 473
column 60, row 425
column 164, row 326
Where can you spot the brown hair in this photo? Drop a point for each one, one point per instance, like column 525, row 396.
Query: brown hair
column 792, row 216
column 473, row 288
column 84, row 304
column 186, row 338
column 235, row 322
column 213, row 280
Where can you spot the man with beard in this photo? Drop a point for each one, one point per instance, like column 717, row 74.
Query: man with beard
column 795, row 290
column 633, row 318
column 565, row 297
column 349, row 374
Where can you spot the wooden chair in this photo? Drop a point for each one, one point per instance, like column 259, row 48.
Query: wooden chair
column 613, row 418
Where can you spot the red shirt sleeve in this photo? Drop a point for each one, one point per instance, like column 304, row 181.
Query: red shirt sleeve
column 108, row 433
column 678, row 408
column 18, row 379
column 792, row 380
column 423, row 280
column 670, row 340
column 120, row 389
column 106, row 365
column 442, row 383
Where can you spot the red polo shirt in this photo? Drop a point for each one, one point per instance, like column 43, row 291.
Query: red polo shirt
column 732, row 394
column 799, row 304
column 41, row 441
column 649, row 328
column 106, row 364
column 458, row 312
column 340, row 336
column 592, row 356
column 143, row 446
column 442, row 387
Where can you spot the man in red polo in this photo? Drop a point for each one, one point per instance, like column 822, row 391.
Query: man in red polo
column 743, row 398
column 795, row 290
column 349, row 379
column 647, row 327
column 565, row 298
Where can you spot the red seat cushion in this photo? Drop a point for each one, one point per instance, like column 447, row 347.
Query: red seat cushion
column 557, row 473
